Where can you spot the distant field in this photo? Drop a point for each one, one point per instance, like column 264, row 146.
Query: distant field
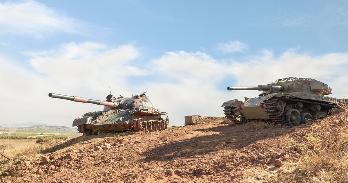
column 14, row 144
column 26, row 142
column 37, row 132
column 35, row 135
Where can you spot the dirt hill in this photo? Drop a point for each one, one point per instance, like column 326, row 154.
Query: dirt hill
column 208, row 152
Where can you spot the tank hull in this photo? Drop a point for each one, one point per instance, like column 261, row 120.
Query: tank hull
column 288, row 100
column 283, row 108
column 114, row 122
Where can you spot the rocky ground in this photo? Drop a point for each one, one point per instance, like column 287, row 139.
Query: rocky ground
column 209, row 152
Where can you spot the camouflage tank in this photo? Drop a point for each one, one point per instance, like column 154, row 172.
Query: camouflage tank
column 289, row 100
column 120, row 114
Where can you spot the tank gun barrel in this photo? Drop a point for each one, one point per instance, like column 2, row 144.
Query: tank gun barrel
column 259, row 88
column 82, row 100
column 242, row 88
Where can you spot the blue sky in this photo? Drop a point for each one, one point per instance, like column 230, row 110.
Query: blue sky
column 314, row 26
column 165, row 47
column 158, row 26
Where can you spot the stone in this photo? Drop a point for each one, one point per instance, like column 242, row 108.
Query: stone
column 68, row 156
column 52, row 167
column 178, row 172
column 39, row 171
column 278, row 163
column 96, row 148
column 168, row 172
column 107, row 145
column 192, row 120
column 198, row 172
column 44, row 160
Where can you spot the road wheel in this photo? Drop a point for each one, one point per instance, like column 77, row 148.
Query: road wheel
column 306, row 117
column 293, row 117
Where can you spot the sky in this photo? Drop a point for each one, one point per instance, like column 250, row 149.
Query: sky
column 182, row 53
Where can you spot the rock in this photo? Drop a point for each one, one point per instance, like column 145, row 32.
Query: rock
column 96, row 148
column 44, row 160
column 198, row 172
column 39, row 171
column 137, row 141
column 278, row 163
column 178, row 172
column 120, row 158
column 164, row 138
column 168, row 172
column 5, row 173
column 52, row 167
column 26, row 163
column 193, row 120
column 228, row 142
column 258, row 177
column 79, row 156
column 68, row 156
column 119, row 141
column 107, row 146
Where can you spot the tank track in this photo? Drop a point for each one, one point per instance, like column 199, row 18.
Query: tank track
column 232, row 114
column 275, row 114
column 291, row 110
column 229, row 112
column 150, row 126
column 278, row 107
column 342, row 103
column 134, row 126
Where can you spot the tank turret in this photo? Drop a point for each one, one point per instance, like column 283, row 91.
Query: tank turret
column 291, row 85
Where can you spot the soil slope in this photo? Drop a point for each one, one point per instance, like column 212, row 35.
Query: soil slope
column 208, row 152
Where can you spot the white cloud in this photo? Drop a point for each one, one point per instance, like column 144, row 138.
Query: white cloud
column 232, row 47
column 180, row 83
column 190, row 86
column 33, row 18
column 86, row 69
column 185, row 65
column 193, row 84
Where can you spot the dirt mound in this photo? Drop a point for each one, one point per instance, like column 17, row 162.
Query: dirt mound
column 208, row 152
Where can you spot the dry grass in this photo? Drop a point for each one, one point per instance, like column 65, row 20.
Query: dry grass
column 14, row 147
column 319, row 161
column 20, row 150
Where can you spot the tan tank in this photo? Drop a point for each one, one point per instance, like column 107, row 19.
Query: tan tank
column 120, row 114
column 289, row 100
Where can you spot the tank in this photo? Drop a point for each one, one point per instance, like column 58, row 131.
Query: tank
column 290, row 101
column 135, row 113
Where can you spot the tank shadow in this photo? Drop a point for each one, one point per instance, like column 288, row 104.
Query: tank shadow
column 80, row 139
column 228, row 137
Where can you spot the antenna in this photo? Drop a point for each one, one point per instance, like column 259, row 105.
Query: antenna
column 110, row 89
